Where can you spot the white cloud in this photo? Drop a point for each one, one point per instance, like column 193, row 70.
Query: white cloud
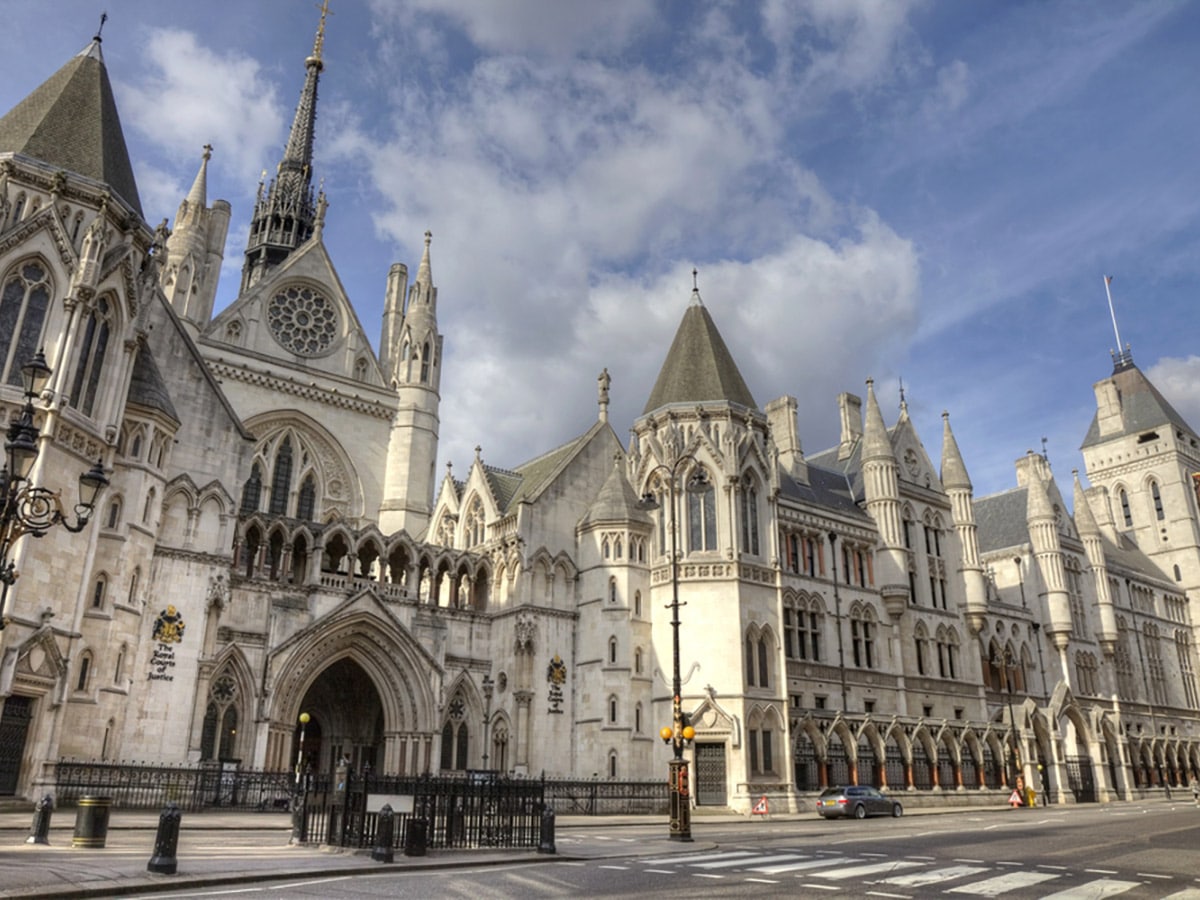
column 533, row 27
column 1179, row 381
column 196, row 96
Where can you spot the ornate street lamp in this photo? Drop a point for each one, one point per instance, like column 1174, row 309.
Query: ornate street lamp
column 26, row 508
column 300, row 793
column 680, row 732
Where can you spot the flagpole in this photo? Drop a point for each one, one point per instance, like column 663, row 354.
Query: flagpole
column 1111, row 312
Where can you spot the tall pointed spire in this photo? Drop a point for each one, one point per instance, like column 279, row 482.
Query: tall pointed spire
column 70, row 122
column 286, row 213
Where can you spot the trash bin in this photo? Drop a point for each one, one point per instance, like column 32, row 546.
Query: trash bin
column 91, row 822
column 415, row 837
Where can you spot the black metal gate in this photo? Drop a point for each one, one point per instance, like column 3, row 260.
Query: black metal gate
column 14, row 727
column 710, row 775
column 1081, row 779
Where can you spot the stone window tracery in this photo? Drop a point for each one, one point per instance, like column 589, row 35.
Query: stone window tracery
column 302, row 320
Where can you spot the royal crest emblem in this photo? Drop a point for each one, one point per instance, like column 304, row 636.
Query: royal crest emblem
column 169, row 626
column 556, row 672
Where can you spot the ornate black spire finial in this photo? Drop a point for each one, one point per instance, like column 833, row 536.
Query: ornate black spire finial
column 103, row 19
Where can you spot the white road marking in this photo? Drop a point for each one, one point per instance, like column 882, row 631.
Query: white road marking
column 934, row 876
column 752, row 862
column 1002, row 884
column 798, row 866
column 1094, row 890
column 862, row 871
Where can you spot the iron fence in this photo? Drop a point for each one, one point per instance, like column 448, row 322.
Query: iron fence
column 135, row 785
column 592, row 797
column 454, row 812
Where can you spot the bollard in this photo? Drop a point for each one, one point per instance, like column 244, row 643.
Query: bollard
column 91, row 822
column 39, row 831
column 546, row 844
column 166, row 842
column 384, row 833
column 414, row 837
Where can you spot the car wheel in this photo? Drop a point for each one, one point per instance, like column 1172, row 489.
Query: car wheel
column 860, row 812
column 897, row 810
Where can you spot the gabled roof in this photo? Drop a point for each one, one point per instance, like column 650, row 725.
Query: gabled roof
column 699, row 367
column 1142, row 407
column 70, row 122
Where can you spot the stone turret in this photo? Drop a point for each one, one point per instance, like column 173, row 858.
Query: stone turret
column 1042, row 522
column 1093, row 546
column 195, row 250
column 881, row 487
column 417, row 374
column 957, row 485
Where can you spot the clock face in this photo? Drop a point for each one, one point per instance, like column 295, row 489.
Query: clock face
column 302, row 320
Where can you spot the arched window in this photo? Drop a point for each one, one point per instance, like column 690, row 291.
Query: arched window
column 281, row 479
column 637, row 719
column 93, row 346
column 612, row 763
column 98, row 592
column 921, row 639
column 114, row 514
column 637, row 661
column 252, row 491
column 425, row 363
column 637, row 601
column 612, row 590
column 702, row 519
column 135, row 446
column 612, row 709
column 133, row 585
column 1126, row 514
column 749, row 498
column 148, row 511
column 862, row 636
column 307, row 503
column 24, row 300
column 119, row 668
column 85, row 671
column 612, row 650
column 1158, row 504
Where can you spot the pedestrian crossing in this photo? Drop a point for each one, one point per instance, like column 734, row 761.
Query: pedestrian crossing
column 873, row 874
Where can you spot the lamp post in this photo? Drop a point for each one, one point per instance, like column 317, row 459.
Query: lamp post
column 679, row 733
column 488, row 687
column 300, row 794
column 26, row 508
column 1009, row 661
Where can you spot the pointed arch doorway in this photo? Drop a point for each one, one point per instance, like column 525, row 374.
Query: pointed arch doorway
column 346, row 719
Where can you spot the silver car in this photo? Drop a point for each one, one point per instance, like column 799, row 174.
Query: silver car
column 858, row 801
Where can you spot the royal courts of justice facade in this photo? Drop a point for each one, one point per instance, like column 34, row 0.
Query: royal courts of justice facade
column 276, row 538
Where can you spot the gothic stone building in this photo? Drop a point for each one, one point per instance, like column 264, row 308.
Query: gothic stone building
column 275, row 539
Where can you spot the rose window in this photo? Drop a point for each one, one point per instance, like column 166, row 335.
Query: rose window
column 302, row 320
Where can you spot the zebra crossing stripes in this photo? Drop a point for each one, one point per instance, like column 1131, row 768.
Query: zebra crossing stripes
column 834, row 870
column 1002, row 884
column 1095, row 890
column 934, row 876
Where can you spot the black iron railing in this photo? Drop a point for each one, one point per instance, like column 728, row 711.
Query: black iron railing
column 136, row 785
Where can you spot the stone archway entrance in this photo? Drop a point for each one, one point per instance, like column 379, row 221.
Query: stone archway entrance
column 346, row 719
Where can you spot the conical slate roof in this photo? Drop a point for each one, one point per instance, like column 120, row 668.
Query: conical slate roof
column 699, row 367
column 616, row 502
column 70, row 122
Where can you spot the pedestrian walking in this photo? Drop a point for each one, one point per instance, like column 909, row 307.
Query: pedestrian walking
column 1195, row 786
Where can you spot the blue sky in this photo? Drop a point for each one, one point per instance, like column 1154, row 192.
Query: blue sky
column 925, row 191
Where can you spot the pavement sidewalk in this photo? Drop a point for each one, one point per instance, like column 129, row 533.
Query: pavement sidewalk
column 221, row 848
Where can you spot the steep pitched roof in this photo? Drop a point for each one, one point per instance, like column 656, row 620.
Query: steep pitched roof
column 70, row 122
column 1142, row 407
column 616, row 501
column 147, row 388
column 699, row 367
